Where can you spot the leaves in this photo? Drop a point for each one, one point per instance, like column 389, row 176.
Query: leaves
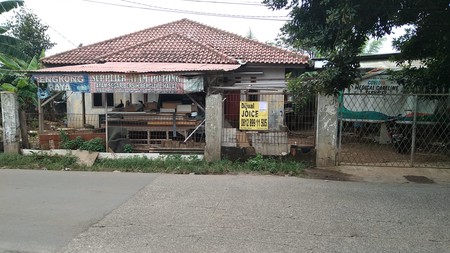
column 9, row 87
column 21, row 83
column 340, row 29
column 31, row 31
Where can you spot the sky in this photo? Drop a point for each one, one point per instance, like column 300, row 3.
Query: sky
column 75, row 22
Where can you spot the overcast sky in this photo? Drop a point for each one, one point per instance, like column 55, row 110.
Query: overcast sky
column 72, row 22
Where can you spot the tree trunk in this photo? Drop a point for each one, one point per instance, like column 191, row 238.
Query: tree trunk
column 24, row 129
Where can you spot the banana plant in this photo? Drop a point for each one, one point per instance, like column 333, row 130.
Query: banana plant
column 20, row 82
column 8, row 44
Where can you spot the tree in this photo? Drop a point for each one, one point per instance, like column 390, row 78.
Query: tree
column 250, row 34
column 339, row 29
column 28, row 27
column 8, row 44
column 372, row 46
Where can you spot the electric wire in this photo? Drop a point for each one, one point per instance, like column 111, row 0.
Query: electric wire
column 157, row 8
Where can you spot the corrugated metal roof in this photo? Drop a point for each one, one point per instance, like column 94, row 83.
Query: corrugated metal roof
column 139, row 67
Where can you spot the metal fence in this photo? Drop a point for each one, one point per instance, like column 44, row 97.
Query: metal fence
column 287, row 124
column 144, row 132
column 394, row 130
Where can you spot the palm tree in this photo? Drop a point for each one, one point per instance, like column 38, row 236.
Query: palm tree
column 8, row 44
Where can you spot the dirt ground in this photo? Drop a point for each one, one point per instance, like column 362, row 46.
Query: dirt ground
column 333, row 175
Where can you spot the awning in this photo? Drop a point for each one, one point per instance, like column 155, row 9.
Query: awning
column 139, row 67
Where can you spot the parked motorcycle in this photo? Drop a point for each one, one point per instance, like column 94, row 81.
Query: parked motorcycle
column 399, row 135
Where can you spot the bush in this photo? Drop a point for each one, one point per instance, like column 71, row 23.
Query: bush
column 95, row 145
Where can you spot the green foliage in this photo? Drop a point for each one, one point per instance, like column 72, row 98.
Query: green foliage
column 250, row 35
column 258, row 163
column 169, row 164
column 303, row 87
column 94, row 145
column 14, row 71
column 37, row 161
column 339, row 30
column 8, row 44
column 128, row 148
column 372, row 46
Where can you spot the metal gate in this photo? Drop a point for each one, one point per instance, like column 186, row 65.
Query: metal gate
column 410, row 130
column 287, row 124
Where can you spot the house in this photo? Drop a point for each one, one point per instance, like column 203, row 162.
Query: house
column 160, row 79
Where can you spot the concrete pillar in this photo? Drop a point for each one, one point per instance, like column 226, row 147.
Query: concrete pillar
column 213, row 127
column 327, row 129
column 10, row 118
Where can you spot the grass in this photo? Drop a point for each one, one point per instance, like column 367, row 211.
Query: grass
column 171, row 164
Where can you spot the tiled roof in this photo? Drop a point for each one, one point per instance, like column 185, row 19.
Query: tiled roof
column 182, row 41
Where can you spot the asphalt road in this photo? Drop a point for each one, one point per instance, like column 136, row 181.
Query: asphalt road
column 41, row 211
column 231, row 213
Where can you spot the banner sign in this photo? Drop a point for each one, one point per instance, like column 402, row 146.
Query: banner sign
column 64, row 82
column 253, row 116
column 379, row 84
column 124, row 83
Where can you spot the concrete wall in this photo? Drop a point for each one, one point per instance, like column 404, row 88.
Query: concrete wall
column 327, row 129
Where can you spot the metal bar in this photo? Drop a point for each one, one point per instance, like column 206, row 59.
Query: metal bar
column 247, row 88
column 414, row 126
column 195, row 101
column 51, row 98
column 41, row 117
column 340, row 122
column 83, row 108
column 195, row 130
column 106, row 127
column 174, row 134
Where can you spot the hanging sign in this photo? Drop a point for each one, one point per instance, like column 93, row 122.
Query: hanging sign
column 125, row 83
column 64, row 82
column 253, row 116
column 145, row 83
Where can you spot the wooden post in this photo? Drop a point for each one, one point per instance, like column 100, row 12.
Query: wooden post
column 41, row 116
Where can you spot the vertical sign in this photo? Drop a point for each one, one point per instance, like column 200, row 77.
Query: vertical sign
column 253, row 116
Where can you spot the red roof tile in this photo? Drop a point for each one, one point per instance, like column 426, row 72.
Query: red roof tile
column 182, row 41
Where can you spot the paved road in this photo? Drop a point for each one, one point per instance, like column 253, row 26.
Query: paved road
column 41, row 211
column 192, row 213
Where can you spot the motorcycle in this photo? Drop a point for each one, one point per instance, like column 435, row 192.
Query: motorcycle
column 399, row 135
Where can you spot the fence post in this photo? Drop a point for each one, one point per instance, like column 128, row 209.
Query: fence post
column 213, row 127
column 10, row 118
column 326, row 135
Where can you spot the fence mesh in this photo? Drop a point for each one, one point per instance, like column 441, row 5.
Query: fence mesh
column 394, row 130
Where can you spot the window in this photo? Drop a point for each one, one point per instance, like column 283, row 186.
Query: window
column 99, row 99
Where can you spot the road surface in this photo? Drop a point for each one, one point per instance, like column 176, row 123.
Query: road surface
column 227, row 213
